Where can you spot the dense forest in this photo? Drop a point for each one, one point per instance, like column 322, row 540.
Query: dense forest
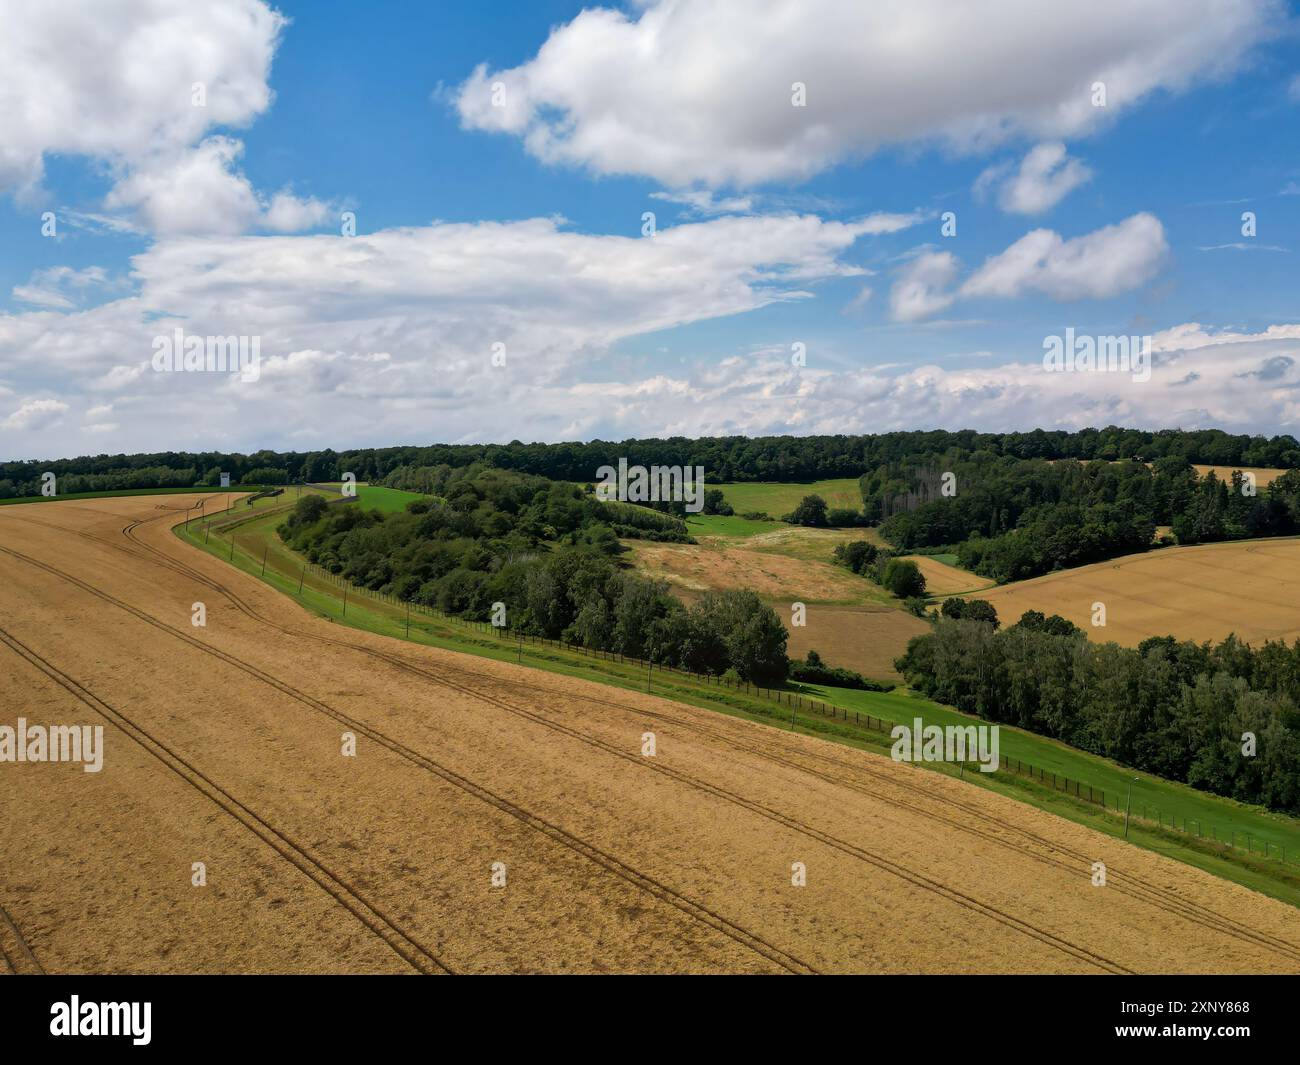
column 1177, row 709
column 547, row 551
column 728, row 458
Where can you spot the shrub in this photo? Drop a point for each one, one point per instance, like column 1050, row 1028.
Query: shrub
column 903, row 578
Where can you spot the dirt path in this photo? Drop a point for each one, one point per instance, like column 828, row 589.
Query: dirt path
column 223, row 745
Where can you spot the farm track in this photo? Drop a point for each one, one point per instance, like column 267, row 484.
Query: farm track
column 882, row 785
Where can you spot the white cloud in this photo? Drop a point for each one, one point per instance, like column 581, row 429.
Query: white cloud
column 115, row 83
column 923, row 287
column 35, row 414
column 201, row 191
column 402, row 322
column 1046, row 175
column 1192, row 335
column 195, row 191
column 702, row 201
column 287, row 213
column 50, row 288
column 699, row 91
column 1098, row 265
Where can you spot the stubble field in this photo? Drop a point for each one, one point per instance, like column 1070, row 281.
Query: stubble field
column 1247, row 587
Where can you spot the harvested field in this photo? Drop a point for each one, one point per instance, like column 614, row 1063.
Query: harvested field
column 698, row 568
column 862, row 638
column 1264, row 476
column 941, row 579
column 1250, row 587
column 223, row 746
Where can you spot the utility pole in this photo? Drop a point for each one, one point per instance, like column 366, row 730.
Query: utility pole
column 1128, row 806
column 265, row 549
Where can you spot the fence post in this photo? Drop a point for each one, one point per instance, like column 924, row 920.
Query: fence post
column 408, row 619
column 265, row 549
column 232, row 547
column 345, row 600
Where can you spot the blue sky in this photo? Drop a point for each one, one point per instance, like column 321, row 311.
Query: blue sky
column 521, row 224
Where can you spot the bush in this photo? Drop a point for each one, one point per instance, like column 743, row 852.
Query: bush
column 915, row 605
column 1034, row 621
column 903, row 578
column 714, row 503
column 843, row 518
column 970, row 609
column 859, row 556
column 811, row 511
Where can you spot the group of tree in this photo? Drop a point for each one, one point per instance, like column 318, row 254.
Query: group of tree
column 725, row 459
column 545, row 550
column 1222, row 718
column 900, row 576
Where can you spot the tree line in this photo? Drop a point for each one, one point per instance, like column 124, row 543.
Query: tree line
column 1220, row 717
column 727, row 458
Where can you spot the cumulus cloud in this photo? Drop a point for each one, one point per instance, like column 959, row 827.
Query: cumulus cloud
column 1046, row 175
column 1097, row 265
column 922, row 288
column 700, row 91
column 195, row 191
column 140, row 89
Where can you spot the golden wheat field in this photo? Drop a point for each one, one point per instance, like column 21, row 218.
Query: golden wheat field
column 493, row 817
column 1250, row 587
